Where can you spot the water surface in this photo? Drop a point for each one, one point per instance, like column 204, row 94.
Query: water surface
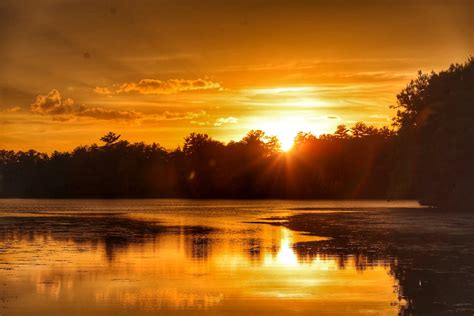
column 114, row 257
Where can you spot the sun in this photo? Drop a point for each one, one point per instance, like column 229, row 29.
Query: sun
column 286, row 128
column 286, row 140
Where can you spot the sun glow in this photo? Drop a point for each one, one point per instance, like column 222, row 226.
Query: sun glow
column 297, row 109
column 285, row 128
column 280, row 90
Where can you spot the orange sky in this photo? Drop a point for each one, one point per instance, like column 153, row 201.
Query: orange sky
column 158, row 70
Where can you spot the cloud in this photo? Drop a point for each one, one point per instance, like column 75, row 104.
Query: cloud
column 200, row 123
column 192, row 117
column 155, row 86
column 64, row 109
column 183, row 115
column 103, row 91
column 13, row 109
column 107, row 114
column 52, row 104
column 218, row 122
column 226, row 120
column 382, row 117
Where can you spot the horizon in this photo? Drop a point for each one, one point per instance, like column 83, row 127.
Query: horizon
column 266, row 138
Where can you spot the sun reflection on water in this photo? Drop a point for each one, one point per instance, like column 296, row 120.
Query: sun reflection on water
column 286, row 256
column 230, row 265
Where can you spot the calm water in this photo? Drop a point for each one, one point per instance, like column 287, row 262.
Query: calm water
column 94, row 257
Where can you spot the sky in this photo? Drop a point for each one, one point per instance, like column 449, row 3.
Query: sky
column 156, row 71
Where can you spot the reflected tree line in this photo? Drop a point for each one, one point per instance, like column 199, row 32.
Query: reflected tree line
column 427, row 155
column 429, row 252
column 114, row 232
column 434, row 270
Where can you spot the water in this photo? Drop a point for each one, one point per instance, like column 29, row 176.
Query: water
column 140, row 257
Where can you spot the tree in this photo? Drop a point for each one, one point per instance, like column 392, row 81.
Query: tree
column 324, row 167
column 259, row 141
column 194, row 142
column 110, row 138
column 363, row 130
column 435, row 115
column 411, row 103
column 303, row 138
column 342, row 132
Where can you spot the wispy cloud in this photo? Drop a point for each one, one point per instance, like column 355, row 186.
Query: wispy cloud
column 226, row 120
column 13, row 109
column 312, row 63
column 103, row 91
column 157, row 87
column 108, row 114
column 183, row 115
column 217, row 122
column 382, row 117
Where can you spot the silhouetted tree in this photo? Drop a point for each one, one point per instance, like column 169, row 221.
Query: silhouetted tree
column 360, row 129
column 435, row 116
column 110, row 138
column 258, row 140
column 303, row 138
column 341, row 132
column 254, row 167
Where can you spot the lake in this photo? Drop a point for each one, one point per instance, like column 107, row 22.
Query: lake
column 148, row 257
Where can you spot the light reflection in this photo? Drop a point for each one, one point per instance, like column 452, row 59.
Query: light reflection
column 286, row 256
column 150, row 299
column 182, row 268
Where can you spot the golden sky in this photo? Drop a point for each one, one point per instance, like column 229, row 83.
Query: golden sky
column 157, row 70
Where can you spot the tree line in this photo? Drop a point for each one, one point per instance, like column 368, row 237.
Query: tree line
column 428, row 155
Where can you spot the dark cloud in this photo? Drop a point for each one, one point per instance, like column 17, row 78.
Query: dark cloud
column 64, row 109
column 52, row 104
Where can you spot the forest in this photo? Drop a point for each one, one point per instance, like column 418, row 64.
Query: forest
column 427, row 154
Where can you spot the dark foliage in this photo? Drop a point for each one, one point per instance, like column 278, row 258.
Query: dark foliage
column 355, row 164
column 436, row 127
